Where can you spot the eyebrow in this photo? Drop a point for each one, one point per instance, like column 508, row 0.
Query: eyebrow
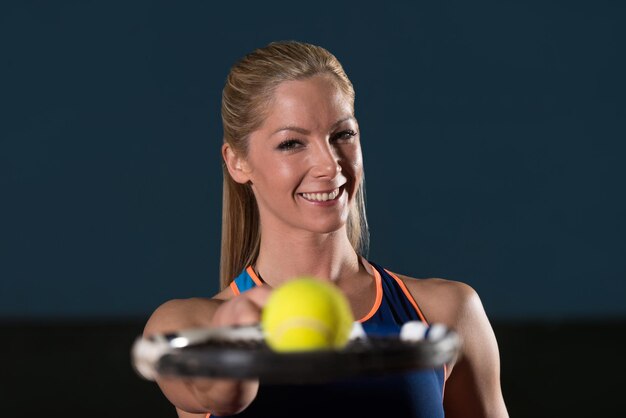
column 306, row 131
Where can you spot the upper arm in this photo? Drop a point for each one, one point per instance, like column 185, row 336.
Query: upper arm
column 473, row 388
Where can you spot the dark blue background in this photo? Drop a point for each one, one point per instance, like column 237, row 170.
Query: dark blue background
column 493, row 137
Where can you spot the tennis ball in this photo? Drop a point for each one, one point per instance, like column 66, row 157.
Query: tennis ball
column 304, row 314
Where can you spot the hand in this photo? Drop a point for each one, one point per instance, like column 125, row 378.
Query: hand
column 229, row 396
column 244, row 309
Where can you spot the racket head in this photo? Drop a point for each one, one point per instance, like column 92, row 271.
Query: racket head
column 224, row 355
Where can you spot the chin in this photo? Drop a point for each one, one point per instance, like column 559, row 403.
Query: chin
column 328, row 228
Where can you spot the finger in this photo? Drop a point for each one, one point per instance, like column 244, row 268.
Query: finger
column 242, row 309
column 247, row 312
column 258, row 295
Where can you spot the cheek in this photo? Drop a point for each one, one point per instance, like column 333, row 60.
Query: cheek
column 354, row 160
column 353, row 168
column 284, row 171
column 358, row 162
column 279, row 175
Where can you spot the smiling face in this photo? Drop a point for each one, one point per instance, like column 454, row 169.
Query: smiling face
column 304, row 162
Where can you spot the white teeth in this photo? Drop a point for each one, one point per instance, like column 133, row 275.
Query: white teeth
column 321, row 197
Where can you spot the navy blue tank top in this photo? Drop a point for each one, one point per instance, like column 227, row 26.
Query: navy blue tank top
column 417, row 394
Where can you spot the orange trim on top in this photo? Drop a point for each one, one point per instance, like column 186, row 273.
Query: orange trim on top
column 254, row 277
column 379, row 296
column 409, row 296
column 235, row 288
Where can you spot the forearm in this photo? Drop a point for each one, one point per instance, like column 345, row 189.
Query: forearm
column 217, row 396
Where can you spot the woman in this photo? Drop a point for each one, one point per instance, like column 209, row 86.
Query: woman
column 294, row 205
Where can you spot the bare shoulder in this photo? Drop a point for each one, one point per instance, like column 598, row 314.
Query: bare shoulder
column 176, row 314
column 442, row 300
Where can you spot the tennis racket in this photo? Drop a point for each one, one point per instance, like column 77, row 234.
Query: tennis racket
column 241, row 353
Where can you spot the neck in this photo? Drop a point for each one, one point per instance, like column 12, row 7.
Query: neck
column 326, row 256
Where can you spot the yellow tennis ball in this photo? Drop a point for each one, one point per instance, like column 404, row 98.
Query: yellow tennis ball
column 306, row 314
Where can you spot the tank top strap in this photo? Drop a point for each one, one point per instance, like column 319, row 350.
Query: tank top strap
column 398, row 305
column 245, row 281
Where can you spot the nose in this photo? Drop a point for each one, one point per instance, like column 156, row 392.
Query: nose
column 325, row 162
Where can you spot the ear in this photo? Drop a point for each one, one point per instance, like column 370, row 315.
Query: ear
column 237, row 166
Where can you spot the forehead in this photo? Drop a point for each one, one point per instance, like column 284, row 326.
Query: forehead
column 315, row 102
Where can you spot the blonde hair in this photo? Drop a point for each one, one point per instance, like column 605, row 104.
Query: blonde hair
column 248, row 88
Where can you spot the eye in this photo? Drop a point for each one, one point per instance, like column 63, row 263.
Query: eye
column 346, row 135
column 289, row 145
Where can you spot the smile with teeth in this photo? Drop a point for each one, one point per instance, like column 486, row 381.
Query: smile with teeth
column 321, row 197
